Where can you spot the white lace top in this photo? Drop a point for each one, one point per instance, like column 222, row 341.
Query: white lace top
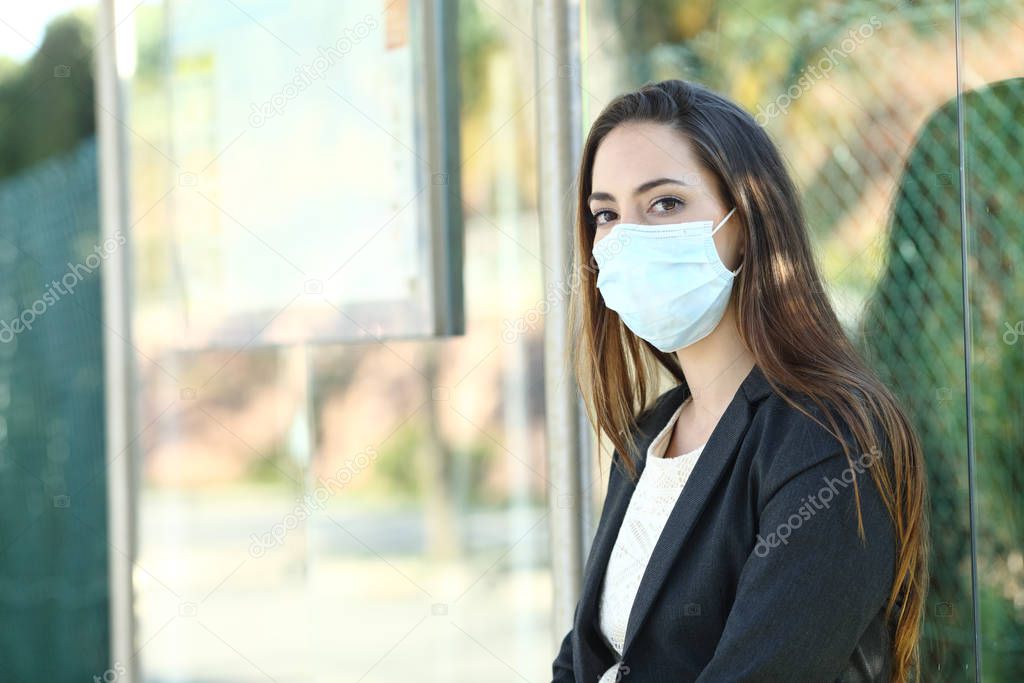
column 656, row 492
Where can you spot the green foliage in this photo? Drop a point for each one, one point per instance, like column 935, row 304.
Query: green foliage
column 396, row 462
column 277, row 467
column 465, row 469
column 477, row 38
column 471, row 466
column 914, row 333
column 46, row 105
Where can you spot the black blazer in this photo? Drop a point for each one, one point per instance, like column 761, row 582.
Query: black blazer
column 751, row 579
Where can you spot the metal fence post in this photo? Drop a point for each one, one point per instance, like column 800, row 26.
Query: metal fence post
column 117, row 351
column 556, row 27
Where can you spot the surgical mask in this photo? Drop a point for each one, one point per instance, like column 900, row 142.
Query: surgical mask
column 666, row 282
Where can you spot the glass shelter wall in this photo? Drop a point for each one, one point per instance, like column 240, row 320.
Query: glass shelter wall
column 370, row 504
column 870, row 106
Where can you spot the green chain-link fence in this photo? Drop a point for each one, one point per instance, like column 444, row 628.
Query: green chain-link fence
column 53, row 538
column 53, row 577
column 914, row 332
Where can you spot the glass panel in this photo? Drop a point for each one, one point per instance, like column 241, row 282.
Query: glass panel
column 993, row 106
column 53, row 531
column 374, row 511
column 847, row 91
column 234, row 107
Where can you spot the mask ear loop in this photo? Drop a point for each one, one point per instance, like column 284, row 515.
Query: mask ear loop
column 720, row 224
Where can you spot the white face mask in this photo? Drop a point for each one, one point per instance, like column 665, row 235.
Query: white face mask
column 666, row 282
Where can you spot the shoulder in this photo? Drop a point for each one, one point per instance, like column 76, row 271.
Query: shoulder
column 786, row 441
column 800, row 477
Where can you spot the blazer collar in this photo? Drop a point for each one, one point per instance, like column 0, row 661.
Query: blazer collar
column 714, row 460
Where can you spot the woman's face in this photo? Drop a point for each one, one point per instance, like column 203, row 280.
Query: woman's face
column 647, row 173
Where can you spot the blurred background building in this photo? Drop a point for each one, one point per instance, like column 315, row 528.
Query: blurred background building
column 275, row 280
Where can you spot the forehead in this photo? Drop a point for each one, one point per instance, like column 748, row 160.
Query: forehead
column 636, row 152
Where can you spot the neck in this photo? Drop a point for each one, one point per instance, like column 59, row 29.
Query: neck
column 715, row 367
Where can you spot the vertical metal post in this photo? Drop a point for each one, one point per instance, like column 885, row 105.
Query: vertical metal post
column 965, row 269
column 556, row 27
column 438, row 95
column 117, row 353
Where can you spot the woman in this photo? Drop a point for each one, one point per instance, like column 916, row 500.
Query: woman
column 764, row 519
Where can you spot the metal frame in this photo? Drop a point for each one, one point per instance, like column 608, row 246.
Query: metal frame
column 438, row 95
column 558, row 111
column 965, row 270
column 118, row 358
column 556, row 25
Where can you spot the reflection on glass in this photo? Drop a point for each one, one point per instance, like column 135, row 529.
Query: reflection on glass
column 993, row 118
column 994, row 146
column 914, row 327
column 372, row 511
column 267, row 135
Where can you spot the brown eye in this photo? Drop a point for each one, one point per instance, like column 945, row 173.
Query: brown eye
column 672, row 200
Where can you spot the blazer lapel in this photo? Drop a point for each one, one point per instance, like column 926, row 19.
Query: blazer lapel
column 713, row 461
column 607, row 530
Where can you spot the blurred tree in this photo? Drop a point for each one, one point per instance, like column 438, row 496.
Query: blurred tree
column 913, row 331
column 46, row 105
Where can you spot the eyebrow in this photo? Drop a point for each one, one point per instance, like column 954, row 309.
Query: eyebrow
column 650, row 184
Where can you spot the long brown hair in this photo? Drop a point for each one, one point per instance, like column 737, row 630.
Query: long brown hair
column 784, row 317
